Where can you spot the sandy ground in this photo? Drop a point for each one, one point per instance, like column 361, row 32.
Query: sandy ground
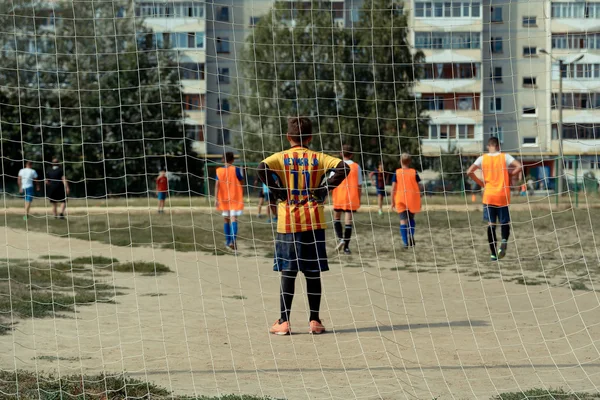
column 393, row 334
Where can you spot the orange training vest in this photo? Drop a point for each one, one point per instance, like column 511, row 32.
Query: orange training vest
column 407, row 195
column 346, row 196
column 497, row 183
column 231, row 193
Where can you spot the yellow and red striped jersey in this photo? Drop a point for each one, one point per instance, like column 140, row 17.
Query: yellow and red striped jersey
column 300, row 171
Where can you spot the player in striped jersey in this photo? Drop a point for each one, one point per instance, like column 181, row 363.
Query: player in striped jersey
column 297, row 177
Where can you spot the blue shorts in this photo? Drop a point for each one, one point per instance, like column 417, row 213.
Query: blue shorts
column 381, row 192
column 496, row 214
column 162, row 195
column 28, row 194
column 301, row 251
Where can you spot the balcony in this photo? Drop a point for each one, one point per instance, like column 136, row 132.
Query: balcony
column 435, row 147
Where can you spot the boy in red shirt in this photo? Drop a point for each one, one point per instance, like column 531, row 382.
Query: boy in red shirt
column 162, row 187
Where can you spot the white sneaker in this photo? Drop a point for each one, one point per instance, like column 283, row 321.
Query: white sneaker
column 340, row 245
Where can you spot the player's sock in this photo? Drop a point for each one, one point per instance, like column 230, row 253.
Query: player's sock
column 313, row 291
column 491, row 232
column 337, row 226
column 404, row 233
column 347, row 235
column 505, row 231
column 413, row 224
column 288, row 286
column 234, row 231
column 227, row 230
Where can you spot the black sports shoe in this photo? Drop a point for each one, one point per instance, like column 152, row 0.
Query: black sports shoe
column 347, row 251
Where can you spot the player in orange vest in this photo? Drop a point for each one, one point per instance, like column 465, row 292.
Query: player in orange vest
column 230, row 198
column 406, row 199
column 346, row 200
column 496, row 168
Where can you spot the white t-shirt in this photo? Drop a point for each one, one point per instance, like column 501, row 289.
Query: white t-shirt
column 27, row 176
column 360, row 175
column 507, row 157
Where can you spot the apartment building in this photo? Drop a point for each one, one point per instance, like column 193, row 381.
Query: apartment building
column 492, row 69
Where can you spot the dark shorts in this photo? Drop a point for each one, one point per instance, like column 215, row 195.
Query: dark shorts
column 381, row 192
column 495, row 214
column 261, row 194
column 406, row 215
column 162, row 195
column 57, row 194
column 302, row 251
column 341, row 210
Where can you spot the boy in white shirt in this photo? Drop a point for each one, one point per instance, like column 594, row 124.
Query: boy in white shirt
column 27, row 176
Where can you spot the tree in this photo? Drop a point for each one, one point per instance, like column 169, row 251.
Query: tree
column 289, row 68
column 95, row 92
column 356, row 83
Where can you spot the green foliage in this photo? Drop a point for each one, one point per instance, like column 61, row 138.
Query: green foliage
column 355, row 83
column 546, row 394
column 91, row 95
column 451, row 169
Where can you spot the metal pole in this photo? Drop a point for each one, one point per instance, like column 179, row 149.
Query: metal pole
column 559, row 163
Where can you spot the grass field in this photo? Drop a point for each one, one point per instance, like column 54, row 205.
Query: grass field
column 160, row 298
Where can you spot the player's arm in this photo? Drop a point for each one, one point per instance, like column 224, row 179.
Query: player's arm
column 37, row 181
column 20, row 183
column 340, row 172
column 394, row 194
column 217, row 193
column 271, row 179
column 515, row 168
column 66, row 183
column 471, row 173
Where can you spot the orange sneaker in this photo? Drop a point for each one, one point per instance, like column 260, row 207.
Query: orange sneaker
column 316, row 327
column 280, row 328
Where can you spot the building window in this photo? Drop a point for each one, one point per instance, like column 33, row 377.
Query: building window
column 223, row 75
column 498, row 132
column 447, row 40
column 529, row 51
column 222, row 45
column 576, row 40
column 448, row 9
column 222, row 14
column 496, row 44
column 191, row 40
column 193, row 102
column 224, row 137
column 495, row 104
column 578, row 71
column 577, row 9
column 451, row 131
column 529, row 22
column 497, row 74
column 223, row 106
column 254, row 21
column 578, row 101
column 496, row 14
column 529, row 111
column 191, row 71
column 529, row 141
column 433, row 103
column 579, row 131
column 451, row 71
column 194, row 132
column 170, row 9
column 529, row 81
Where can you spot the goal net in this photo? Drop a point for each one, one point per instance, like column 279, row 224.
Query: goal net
column 129, row 128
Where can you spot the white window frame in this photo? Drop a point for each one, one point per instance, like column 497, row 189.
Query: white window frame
column 534, row 115
column 493, row 105
column 535, row 144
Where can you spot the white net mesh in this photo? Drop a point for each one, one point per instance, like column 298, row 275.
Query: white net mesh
column 119, row 104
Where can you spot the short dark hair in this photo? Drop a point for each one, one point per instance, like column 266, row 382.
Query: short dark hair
column 299, row 128
column 162, row 169
column 347, row 151
column 493, row 141
column 229, row 157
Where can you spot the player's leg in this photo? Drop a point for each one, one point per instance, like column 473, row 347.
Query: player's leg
column 347, row 231
column 286, row 262
column 404, row 227
column 313, row 292
column 54, row 209
column 261, row 200
column 412, row 227
column 504, row 218
column 380, row 201
column 489, row 216
column 63, row 208
column 227, row 228
column 337, row 227
column 28, row 200
column 234, row 230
